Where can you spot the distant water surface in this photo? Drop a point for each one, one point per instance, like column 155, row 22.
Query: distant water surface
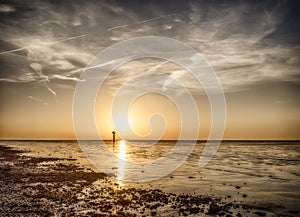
column 255, row 172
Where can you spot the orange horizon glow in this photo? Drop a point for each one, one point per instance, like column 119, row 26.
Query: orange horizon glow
column 37, row 125
column 250, row 116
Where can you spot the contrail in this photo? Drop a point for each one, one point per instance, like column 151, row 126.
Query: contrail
column 49, row 43
column 14, row 50
column 117, row 27
column 52, row 91
column 154, row 68
column 139, row 22
column 156, row 18
column 66, row 39
column 38, row 100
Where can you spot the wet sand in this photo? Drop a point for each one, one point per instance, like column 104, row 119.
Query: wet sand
column 61, row 186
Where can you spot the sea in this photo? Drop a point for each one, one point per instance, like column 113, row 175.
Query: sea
column 265, row 173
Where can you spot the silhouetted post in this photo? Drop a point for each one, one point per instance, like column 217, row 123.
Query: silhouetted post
column 114, row 136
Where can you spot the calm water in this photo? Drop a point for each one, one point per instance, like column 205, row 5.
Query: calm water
column 260, row 172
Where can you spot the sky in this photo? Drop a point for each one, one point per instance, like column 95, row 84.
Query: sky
column 253, row 47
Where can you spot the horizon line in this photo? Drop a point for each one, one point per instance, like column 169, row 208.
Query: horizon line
column 185, row 140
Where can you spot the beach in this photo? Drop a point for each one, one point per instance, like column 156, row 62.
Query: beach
column 54, row 178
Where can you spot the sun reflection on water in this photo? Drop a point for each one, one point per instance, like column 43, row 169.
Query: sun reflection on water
column 121, row 162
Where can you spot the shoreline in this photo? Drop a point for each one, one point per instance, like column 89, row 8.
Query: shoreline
column 46, row 186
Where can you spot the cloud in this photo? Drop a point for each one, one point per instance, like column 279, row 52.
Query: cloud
column 38, row 100
column 4, row 8
column 235, row 39
column 42, row 78
column 141, row 22
column 62, row 77
column 43, row 62
column 47, row 43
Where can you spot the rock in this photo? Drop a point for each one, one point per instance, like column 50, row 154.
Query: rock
column 153, row 213
column 260, row 213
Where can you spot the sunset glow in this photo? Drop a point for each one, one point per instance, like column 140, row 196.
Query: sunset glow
column 257, row 66
column 122, row 162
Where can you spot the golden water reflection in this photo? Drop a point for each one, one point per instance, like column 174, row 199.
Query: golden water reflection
column 121, row 162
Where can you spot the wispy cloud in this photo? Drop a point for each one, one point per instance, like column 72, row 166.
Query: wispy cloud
column 235, row 40
column 238, row 40
column 38, row 100
column 66, row 78
column 13, row 50
column 141, row 22
column 43, row 43
column 42, row 78
column 5, row 8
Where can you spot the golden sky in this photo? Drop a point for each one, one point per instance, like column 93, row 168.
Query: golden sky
column 252, row 46
column 267, row 111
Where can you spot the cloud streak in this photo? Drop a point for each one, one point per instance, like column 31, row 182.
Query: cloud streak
column 5, row 8
column 54, row 43
column 141, row 22
column 38, row 100
column 47, row 43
